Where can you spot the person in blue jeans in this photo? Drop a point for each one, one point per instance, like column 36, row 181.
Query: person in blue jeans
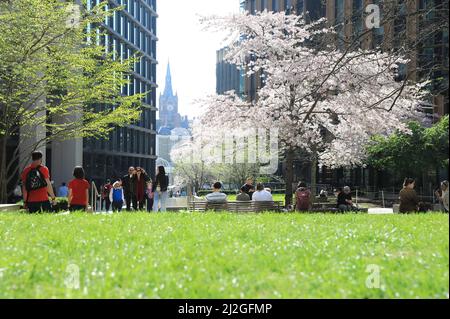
column 159, row 190
column 116, row 196
column 149, row 196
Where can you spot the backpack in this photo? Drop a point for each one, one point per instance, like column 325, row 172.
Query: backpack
column 117, row 195
column 35, row 180
column 303, row 199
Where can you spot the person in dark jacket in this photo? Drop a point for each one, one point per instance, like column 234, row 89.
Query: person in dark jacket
column 128, row 188
column 248, row 187
column 344, row 200
column 409, row 201
column 159, row 189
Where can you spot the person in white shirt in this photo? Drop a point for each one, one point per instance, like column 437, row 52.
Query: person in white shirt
column 262, row 195
column 217, row 196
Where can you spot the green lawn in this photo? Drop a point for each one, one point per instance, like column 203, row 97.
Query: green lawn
column 223, row 255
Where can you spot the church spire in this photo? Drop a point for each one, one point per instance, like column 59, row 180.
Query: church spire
column 168, row 91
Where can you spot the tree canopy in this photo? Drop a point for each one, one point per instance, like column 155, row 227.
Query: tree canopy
column 414, row 152
column 56, row 74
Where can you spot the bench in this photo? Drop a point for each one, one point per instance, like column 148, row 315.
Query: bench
column 236, row 207
column 10, row 207
column 329, row 207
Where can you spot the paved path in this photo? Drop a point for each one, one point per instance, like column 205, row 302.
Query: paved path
column 381, row 211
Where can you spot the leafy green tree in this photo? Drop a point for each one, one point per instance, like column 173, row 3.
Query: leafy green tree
column 56, row 75
column 414, row 153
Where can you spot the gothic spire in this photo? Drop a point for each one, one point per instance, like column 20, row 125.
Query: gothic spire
column 168, row 91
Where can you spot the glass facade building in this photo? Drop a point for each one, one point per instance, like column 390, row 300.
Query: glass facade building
column 228, row 76
column 129, row 31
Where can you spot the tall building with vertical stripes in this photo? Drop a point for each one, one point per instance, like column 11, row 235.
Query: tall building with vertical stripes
column 128, row 31
column 408, row 20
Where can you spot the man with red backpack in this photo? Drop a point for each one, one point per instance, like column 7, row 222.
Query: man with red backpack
column 303, row 198
column 36, row 186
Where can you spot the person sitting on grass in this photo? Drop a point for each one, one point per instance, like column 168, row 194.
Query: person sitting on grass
column 261, row 194
column 243, row 196
column 216, row 196
column 344, row 200
column 443, row 195
column 117, row 197
column 409, row 201
column 78, row 191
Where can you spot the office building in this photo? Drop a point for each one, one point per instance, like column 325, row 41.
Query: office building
column 406, row 21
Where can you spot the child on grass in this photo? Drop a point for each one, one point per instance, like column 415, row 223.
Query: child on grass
column 116, row 196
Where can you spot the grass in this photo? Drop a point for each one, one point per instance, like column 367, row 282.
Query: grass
column 223, row 255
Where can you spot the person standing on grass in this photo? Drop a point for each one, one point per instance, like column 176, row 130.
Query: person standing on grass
column 140, row 185
column 78, row 191
column 243, row 196
column 261, row 195
column 443, row 195
column 249, row 189
column 409, row 201
column 303, row 201
column 128, row 187
column 159, row 189
column 36, row 186
column 106, row 189
column 216, row 196
column 149, row 196
column 116, row 196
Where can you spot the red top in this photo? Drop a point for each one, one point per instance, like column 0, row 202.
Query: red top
column 38, row 195
column 79, row 187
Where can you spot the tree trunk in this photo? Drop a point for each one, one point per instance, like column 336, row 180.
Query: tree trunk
column 3, row 173
column 289, row 176
column 314, row 175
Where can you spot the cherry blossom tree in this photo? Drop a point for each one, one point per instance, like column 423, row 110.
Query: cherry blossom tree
column 321, row 98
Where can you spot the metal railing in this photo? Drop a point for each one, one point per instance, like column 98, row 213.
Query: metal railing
column 94, row 197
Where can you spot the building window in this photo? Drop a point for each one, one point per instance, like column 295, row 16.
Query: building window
column 275, row 5
column 288, row 6
column 252, row 6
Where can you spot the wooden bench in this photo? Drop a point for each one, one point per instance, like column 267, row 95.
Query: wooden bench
column 236, row 207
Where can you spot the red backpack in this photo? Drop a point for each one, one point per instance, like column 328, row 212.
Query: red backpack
column 303, row 199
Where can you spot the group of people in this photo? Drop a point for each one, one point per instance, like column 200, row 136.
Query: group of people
column 248, row 192
column 135, row 190
column 410, row 202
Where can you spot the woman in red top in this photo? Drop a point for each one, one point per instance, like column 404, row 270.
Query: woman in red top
column 78, row 191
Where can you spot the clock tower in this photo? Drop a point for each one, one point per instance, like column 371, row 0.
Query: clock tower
column 168, row 105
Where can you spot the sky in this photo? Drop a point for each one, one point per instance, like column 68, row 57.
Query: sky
column 191, row 52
